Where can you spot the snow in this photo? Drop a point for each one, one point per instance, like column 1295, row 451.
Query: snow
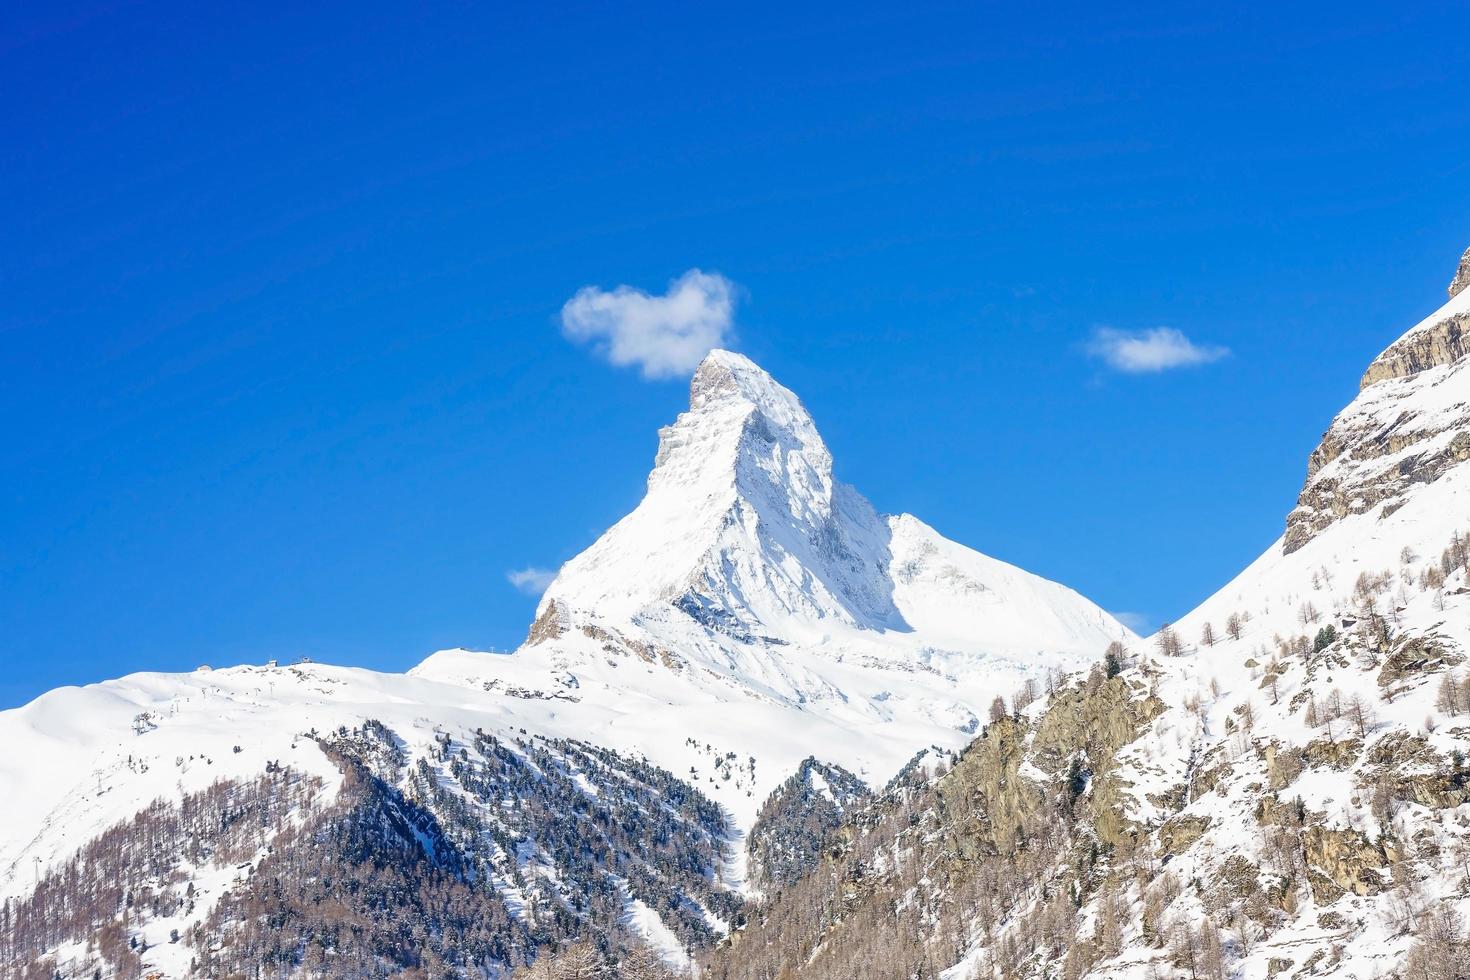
column 752, row 611
column 1289, row 595
column 756, row 602
column 646, row 923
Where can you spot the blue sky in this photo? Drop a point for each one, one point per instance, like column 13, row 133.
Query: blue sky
column 280, row 291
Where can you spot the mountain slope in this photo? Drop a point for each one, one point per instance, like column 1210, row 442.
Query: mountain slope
column 1276, row 786
column 763, row 605
column 752, row 613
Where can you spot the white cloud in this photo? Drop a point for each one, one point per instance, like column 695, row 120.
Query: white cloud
column 1150, row 351
column 665, row 336
column 531, row 581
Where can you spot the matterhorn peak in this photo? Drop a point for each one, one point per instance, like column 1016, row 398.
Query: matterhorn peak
column 732, row 396
column 746, row 533
column 725, row 375
column 741, row 511
column 741, row 426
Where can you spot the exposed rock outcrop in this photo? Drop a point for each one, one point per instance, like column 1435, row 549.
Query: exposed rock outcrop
column 550, row 624
column 1341, row 861
column 1462, row 275
column 1400, row 432
column 1421, row 350
column 1414, row 657
column 1178, row 834
column 988, row 798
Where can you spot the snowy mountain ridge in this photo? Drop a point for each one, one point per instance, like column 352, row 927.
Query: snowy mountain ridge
column 696, row 742
column 750, row 583
column 751, row 613
column 745, row 529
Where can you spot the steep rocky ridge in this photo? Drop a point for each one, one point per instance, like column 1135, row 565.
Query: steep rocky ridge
column 1462, row 276
column 1409, row 425
column 1277, row 785
column 753, row 618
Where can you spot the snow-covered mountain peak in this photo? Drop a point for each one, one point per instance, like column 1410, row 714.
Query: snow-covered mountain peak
column 742, row 520
column 725, row 376
column 745, row 532
column 755, row 599
column 741, row 425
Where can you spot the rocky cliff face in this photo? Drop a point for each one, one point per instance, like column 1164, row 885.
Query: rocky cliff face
column 1406, row 428
column 1462, row 275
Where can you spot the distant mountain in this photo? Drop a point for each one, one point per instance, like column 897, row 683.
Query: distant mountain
column 752, row 619
column 753, row 601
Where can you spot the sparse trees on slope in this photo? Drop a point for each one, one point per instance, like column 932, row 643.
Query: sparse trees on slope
column 1360, row 713
column 997, row 709
column 1442, row 949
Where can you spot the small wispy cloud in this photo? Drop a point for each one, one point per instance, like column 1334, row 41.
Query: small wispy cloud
column 1140, row 623
column 1150, row 351
column 665, row 336
column 531, row 581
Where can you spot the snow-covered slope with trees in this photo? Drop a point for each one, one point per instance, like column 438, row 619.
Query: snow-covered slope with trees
column 1276, row 785
column 755, row 602
column 751, row 613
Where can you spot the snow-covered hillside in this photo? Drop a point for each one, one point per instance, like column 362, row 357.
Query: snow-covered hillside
column 756, row 603
column 1276, row 785
column 751, row 613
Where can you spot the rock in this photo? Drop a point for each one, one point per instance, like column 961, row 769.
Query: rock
column 1341, row 861
column 1446, row 341
column 1438, row 791
column 1099, row 722
column 549, row 625
column 1282, row 767
column 1399, row 750
column 1462, row 275
column 1271, row 811
column 1178, row 834
column 983, row 799
column 1326, row 499
column 1390, row 438
column 1277, row 964
column 1207, row 779
column 1338, row 755
column 1238, row 877
column 1415, row 656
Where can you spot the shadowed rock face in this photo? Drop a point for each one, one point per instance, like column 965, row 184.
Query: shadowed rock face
column 1462, row 275
column 1443, row 343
